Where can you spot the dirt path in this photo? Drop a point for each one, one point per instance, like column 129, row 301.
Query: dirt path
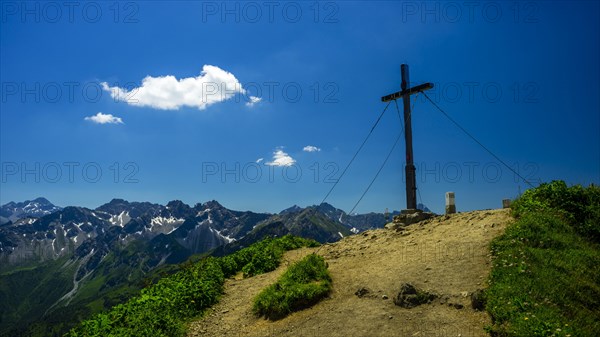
column 447, row 255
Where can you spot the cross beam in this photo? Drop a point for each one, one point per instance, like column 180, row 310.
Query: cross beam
column 409, row 91
column 411, row 183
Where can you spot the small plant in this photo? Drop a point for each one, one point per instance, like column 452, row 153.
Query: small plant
column 304, row 283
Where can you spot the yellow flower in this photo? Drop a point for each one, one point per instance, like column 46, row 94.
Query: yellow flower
column 526, row 318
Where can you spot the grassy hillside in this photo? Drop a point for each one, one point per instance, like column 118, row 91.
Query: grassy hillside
column 161, row 309
column 546, row 275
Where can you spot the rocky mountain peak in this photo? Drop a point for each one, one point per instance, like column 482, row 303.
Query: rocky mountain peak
column 38, row 207
column 292, row 209
column 213, row 204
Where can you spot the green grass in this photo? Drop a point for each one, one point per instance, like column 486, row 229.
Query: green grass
column 303, row 284
column 545, row 279
column 163, row 308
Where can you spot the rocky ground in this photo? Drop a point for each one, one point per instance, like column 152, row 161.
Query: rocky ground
column 447, row 256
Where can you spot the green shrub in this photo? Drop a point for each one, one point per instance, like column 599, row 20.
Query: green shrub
column 302, row 285
column 263, row 256
column 578, row 206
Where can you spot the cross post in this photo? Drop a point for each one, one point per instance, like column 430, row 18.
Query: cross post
column 411, row 181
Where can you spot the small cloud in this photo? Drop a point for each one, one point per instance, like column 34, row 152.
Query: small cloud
column 310, row 148
column 259, row 160
column 280, row 158
column 101, row 118
column 253, row 100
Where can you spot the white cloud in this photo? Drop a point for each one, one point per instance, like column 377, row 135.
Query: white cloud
column 213, row 85
column 101, row 118
column 253, row 100
column 280, row 158
column 259, row 160
column 310, row 148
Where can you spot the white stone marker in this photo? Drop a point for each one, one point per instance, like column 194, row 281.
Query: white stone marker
column 450, row 204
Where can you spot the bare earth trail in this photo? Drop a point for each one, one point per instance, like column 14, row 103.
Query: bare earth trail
column 447, row 255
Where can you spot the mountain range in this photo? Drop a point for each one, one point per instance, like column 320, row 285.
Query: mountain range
column 30, row 208
column 70, row 262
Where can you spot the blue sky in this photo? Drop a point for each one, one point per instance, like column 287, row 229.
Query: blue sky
column 155, row 101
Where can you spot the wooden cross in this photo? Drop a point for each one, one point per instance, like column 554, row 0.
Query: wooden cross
column 411, row 184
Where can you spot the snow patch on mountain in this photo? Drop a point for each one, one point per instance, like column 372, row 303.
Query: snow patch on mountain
column 201, row 213
column 226, row 237
column 120, row 220
column 162, row 221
